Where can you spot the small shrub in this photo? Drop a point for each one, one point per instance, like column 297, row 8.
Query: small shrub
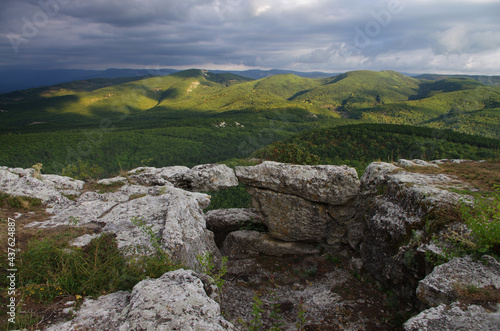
column 256, row 321
column 301, row 316
column 208, row 267
column 83, row 170
column 38, row 171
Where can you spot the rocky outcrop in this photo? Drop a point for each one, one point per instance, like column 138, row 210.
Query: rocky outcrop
column 178, row 300
column 296, row 202
column 456, row 317
column 379, row 220
column 49, row 189
column 397, row 204
column 201, row 178
column 175, row 215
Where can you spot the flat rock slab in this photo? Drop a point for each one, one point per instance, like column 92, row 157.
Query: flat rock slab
column 201, row 178
column 244, row 244
column 329, row 184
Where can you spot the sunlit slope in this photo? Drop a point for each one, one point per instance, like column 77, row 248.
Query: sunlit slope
column 359, row 89
column 266, row 93
column 460, row 105
column 88, row 101
column 382, row 97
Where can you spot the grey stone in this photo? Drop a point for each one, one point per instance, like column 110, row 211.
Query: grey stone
column 201, row 178
column 209, row 177
column 244, row 244
column 291, row 218
column 416, row 163
column 396, row 203
column 456, row 316
column 16, row 185
column 176, row 301
column 113, row 181
column 330, row 184
column 441, row 286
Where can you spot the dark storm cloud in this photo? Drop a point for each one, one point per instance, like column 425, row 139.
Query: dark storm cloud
column 333, row 35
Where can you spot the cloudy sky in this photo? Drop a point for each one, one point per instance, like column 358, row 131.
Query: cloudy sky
column 416, row 36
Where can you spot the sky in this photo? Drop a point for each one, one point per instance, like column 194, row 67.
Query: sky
column 411, row 36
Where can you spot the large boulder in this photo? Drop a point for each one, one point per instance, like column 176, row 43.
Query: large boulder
column 456, row 316
column 49, row 189
column 178, row 300
column 330, row 184
column 208, row 177
column 292, row 218
column 444, row 284
column 156, row 176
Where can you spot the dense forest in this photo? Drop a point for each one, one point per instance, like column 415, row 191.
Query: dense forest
column 358, row 145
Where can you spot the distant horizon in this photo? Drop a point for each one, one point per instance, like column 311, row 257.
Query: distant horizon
column 414, row 36
column 39, row 76
column 416, row 72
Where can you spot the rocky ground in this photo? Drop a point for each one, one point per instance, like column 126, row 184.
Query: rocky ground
column 332, row 252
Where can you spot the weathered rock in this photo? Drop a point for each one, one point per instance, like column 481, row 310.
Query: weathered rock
column 174, row 214
column 208, row 177
column 205, row 177
column 415, row 163
column 146, row 176
column 176, row 301
column 25, row 185
column 376, row 174
column 62, row 183
column 177, row 217
column 456, row 316
column 397, row 203
column 113, row 181
column 330, row 184
column 442, row 285
column 292, row 218
column 244, row 244
column 224, row 221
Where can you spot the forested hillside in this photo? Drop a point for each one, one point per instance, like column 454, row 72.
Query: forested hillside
column 358, row 145
column 195, row 116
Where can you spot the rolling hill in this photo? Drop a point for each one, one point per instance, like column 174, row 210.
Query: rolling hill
column 196, row 116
